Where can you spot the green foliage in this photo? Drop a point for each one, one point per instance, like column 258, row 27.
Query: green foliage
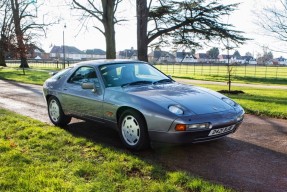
column 213, row 53
column 38, row 157
column 189, row 22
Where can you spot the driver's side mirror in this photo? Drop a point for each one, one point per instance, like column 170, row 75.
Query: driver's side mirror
column 94, row 86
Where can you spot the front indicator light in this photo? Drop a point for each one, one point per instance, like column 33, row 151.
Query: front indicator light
column 180, row 127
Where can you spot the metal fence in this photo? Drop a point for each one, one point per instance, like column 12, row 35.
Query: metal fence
column 239, row 70
column 41, row 64
column 199, row 70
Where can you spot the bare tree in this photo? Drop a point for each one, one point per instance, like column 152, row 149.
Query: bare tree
column 183, row 22
column 5, row 29
column 273, row 19
column 24, row 15
column 266, row 57
column 105, row 14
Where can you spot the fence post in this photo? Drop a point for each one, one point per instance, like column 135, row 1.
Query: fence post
column 255, row 71
column 277, row 72
column 245, row 69
column 266, row 72
column 201, row 68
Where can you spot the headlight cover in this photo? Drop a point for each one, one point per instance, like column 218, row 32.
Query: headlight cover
column 176, row 110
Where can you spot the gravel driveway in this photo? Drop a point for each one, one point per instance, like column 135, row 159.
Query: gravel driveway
column 252, row 159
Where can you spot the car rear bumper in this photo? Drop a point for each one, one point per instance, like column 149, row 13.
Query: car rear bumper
column 188, row 136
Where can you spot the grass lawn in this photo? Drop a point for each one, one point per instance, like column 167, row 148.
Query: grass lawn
column 38, row 157
column 31, row 76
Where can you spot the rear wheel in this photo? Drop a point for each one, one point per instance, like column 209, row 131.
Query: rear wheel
column 133, row 130
column 56, row 113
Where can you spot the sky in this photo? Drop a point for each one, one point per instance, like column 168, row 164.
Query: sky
column 244, row 19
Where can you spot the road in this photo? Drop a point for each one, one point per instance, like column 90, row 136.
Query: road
column 252, row 159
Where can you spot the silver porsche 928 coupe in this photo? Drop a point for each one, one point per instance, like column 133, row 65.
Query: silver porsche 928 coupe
column 141, row 102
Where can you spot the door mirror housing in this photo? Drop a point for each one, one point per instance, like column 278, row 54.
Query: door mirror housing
column 95, row 87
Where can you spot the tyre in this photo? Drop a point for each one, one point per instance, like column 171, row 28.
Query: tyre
column 56, row 113
column 133, row 130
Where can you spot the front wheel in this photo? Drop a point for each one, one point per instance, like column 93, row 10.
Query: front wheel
column 133, row 130
column 56, row 113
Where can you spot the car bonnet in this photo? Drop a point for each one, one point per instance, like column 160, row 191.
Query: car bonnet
column 191, row 98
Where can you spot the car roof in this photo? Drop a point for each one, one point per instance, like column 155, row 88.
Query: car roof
column 107, row 61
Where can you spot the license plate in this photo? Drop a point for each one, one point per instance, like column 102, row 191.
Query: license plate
column 221, row 130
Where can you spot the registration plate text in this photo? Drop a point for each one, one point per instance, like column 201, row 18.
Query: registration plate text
column 221, row 130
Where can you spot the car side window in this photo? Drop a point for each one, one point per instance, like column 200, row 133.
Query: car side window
column 84, row 75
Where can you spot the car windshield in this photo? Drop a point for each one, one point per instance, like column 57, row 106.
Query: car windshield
column 129, row 74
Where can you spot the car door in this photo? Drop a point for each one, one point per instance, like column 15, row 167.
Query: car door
column 85, row 103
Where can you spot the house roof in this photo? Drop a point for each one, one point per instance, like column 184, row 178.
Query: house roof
column 95, row 52
column 181, row 55
column 281, row 59
column 223, row 56
column 159, row 54
column 128, row 53
column 201, row 56
column 247, row 58
column 68, row 49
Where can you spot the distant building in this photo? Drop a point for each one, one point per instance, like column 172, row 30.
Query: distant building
column 34, row 51
column 95, row 54
column 184, row 57
column 202, row 57
column 226, row 58
column 128, row 54
column 159, row 56
column 248, row 60
column 73, row 53
column 280, row 61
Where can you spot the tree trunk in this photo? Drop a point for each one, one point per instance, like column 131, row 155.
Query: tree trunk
column 108, row 21
column 142, row 38
column 2, row 54
column 19, row 34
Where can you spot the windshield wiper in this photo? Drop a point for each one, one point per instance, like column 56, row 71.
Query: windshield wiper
column 137, row 83
column 163, row 81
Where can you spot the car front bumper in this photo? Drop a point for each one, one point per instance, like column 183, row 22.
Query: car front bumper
column 196, row 136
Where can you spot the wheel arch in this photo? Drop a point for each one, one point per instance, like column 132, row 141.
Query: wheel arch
column 124, row 108
column 48, row 97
